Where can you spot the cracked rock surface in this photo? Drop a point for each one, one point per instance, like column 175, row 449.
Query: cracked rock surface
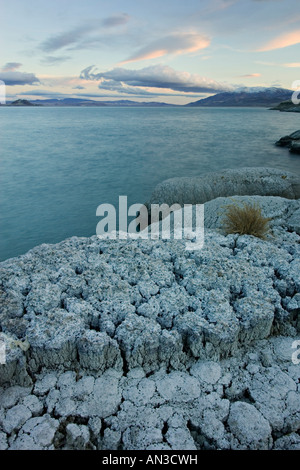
column 142, row 344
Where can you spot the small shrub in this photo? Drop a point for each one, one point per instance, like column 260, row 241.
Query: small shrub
column 246, row 220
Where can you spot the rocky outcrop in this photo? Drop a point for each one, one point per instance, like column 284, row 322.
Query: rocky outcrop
column 291, row 141
column 295, row 147
column 231, row 182
column 142, row 344
column 287, row 106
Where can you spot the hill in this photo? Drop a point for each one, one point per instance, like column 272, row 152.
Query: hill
column 248, row 97
column 21, row 103
column 287, row 106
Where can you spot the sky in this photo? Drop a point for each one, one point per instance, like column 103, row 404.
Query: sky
column 171, row 51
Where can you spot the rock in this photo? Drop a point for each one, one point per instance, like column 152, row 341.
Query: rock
column 179, row 411
column 45, row 383
column 43, row 296
column 38, row 434
column 283, row 347
column 13, row 370
column 295, row 147
column 284, row 141
column 78, row 437
column 207, row 371
column 213, row 429
column 156, row 347
column 12, row 395
column 287, row 140
column 289, row 442
column 270, row 391
column 295, row 135
column 34, row 405
column 226, row 183
column 139, row 391
column 24, row 442
column 201, row 304
column 177, row 387
column 52, row 338
column 291, row 141
column 98, row 352
column 15, row 418
column 249, row 427
column 180, row 439
column 111, row 440
column 3, row 441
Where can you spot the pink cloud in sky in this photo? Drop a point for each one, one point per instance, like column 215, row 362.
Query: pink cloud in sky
column 292, row 65
column 181, row 43
column 284, row 40
column 251, row 75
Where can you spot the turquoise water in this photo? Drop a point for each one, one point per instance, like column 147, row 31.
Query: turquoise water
column 59, row 164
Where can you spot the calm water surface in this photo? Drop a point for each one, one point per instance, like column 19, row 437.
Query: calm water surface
column 58, row 164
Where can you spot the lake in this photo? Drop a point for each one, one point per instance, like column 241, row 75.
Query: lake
column 59, row 164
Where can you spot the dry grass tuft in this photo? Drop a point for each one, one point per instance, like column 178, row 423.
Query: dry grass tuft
column 246, row 220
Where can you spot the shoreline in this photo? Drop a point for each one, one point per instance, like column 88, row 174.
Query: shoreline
column 161, row 348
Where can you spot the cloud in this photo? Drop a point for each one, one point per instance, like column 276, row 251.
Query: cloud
column 11, row 66
column 52, row 60
column 123, row 88
column 284, row 40
column 292, row 65
column 251, row 75
column 75, row 35
column 60, row 41
column 51, row 94
column 263, row 62
column 116, row 20
column 181, row 43
column 157, row 76
column 276, row 64
column 18, row 78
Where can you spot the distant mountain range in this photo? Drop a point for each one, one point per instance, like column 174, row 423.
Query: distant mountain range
column 83, row 102
column 265, row 97
column 245, row 97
